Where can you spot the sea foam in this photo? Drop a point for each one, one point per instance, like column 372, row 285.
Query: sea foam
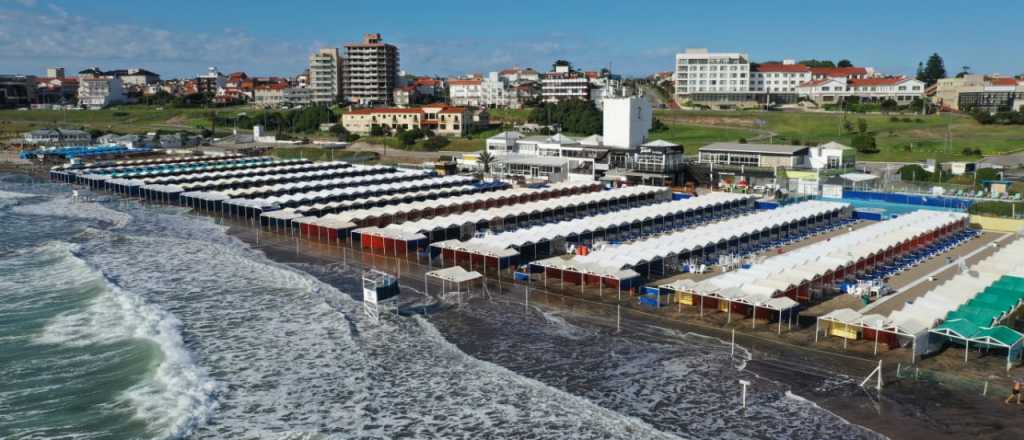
column 179, row 396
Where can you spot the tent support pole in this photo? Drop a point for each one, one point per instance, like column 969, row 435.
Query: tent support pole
column 780, row 321
column 876, row 343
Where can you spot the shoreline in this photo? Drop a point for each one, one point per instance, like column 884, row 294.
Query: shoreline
column 905, row 408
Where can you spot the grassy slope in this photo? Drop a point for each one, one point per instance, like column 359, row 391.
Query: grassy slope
column 124, row 119
column 899, row 141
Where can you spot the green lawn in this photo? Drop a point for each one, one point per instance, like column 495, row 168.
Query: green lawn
column 121, row 119
column 692, row 137
column 921, row 138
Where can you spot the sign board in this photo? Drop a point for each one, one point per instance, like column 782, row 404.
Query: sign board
column 832, row 191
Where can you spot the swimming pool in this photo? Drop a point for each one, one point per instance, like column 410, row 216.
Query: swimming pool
column 890, row 208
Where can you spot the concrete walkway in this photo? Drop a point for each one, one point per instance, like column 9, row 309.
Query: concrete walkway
column 917, row 288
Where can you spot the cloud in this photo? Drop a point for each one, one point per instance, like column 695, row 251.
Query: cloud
column 73, row 39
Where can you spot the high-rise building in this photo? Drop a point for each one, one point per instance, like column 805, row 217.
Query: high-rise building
column 371, row 71
column 325, row 75
column 703, row 76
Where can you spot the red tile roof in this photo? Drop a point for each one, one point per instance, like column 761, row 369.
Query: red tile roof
column 464, row 82
column 775, row 67
column 888, row 81
column 453, row 110
column 839, row 71
column 1003, row 81
column 430, row 82
column 371, row 111
column 815, row 83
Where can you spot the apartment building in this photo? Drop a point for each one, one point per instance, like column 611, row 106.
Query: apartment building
column 280, row 93
column 980, row 93
column 492, row 91
column 371, row 71
column 326, row 73
column 441, row 119
column 564, row 83
column 96, row 92
column 717, row 79
column 210, row 82
column 516, row 75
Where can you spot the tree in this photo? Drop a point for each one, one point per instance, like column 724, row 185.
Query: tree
column 409, row 137
column 485, row 160
column 817, row 63
column 742, row 141
column 890, row 105
column 966, row 70
column 434, row 143
column 865, row 143
column 844, row 63
column 377, row 130
column 933, row 70
column 657, row 126
column 862, row 126
column 914, row 173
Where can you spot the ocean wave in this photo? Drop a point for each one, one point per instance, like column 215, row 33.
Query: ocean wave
column 179, row 396
column 68, row 208
column 8, row 198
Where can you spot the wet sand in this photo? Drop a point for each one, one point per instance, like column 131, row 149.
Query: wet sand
column 905, row 409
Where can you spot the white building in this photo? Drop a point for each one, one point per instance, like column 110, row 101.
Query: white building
column 58, row 136
column 325, row 75
column 564, row 83
column 717, row 78
column 99, row 92
column 492, row 91
column 626, row 121
column 831, row 90
column 831, row 155
column 779, row 82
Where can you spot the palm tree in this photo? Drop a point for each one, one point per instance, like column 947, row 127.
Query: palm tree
column 485, row 159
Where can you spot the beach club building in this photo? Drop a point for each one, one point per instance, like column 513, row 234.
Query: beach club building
column 972, row 310
column 755, row 155
column 518, row 247
column 632, row 264
column 409, row 238
column 810, row 274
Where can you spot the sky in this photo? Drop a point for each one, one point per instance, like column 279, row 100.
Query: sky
column 261, row 37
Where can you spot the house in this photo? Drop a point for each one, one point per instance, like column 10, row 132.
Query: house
column 96, row 92
column 831, row 155
column 441, row 119
column 58, row 136
column 755, row 155
column 406, row 95
column 901, row 89
column 56, row 90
